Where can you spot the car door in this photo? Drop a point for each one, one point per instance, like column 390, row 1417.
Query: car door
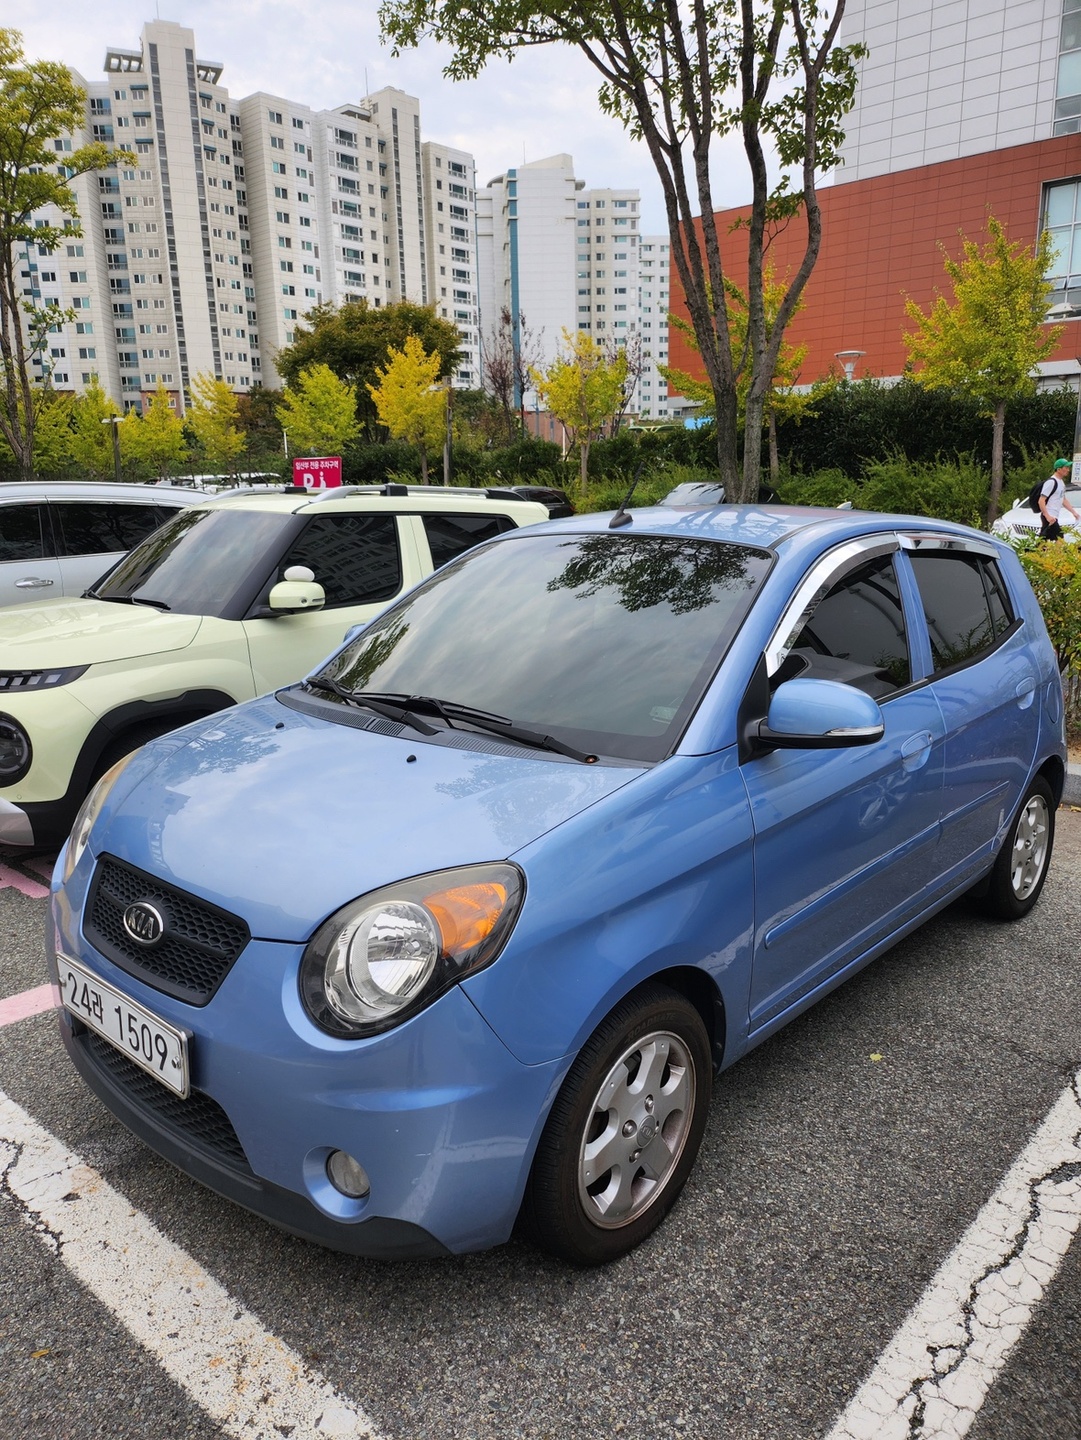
column 362, row 562
column 985, row 678
column 28, row 567
column 845, row 839
column 92, row 535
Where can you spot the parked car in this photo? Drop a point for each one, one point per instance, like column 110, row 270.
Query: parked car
column 454, row 933
column 231, row 598
column 557, row 502
column 58, row 537
column 1021, row 520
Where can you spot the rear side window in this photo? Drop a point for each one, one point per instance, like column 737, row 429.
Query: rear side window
column 965, row 604
column 97, row 529
column 354, row 557
column 450, row 535
column 20, row 532
column 856, row 633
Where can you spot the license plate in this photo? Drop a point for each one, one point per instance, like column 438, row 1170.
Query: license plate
column 160, row 1049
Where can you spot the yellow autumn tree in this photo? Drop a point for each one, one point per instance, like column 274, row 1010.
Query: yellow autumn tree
column 155, row 439
column 409, row 400
column 319, row 412
column 583, row 388
column 212, row 416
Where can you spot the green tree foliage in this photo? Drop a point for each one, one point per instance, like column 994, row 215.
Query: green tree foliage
column 154, row 441
column 53, row 434
column 852, row 425
column 319, row 414
column 212, row 417
column 987, row 341
column 681, row 79
column 583, row 388
column 92, row 440
column 408, row 399
column 1054, row 571
column 356, row 340
column 39, row 103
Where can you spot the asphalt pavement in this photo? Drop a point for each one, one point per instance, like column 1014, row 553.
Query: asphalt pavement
column 830, row 1188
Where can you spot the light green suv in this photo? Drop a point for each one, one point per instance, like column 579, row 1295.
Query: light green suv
column 228, row 600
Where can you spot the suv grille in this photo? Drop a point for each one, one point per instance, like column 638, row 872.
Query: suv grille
column 199, row 945
column 197, row 1120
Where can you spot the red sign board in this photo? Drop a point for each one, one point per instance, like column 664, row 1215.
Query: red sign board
column 318, row 472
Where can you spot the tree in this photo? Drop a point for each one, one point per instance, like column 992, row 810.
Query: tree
column 92, row 439
column 584, row 390
column 53, row 435
column 511, row 352
column 154, row 439
column 782, row 401
column 39, row 102
column 680, row 78
column 212, row 416
column 408, row 399
column 320, row 414
column 988, row 342
column 355, row 340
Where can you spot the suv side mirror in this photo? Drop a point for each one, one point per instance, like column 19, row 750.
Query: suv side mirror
column 298, row 591
column 807, row 714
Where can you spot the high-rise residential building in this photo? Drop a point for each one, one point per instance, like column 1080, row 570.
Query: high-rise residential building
column 653, row 283
column 961, row 110
column 556, row 255
column 236, row 218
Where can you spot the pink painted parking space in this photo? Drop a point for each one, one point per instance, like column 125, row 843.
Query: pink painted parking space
column 30, row 1002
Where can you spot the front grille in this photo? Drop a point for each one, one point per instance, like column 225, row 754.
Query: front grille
column 198, row 947
column 198, row 1120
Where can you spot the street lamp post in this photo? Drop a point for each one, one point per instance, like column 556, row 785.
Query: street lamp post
column 848, row 359
column 114, row 421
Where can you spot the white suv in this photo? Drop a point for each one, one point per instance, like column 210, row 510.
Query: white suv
column 58, row 537
column 230, row 599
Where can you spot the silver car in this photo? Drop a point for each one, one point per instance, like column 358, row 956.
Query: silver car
column 58, row 537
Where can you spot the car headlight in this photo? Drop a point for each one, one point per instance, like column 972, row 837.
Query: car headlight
column 15, row 751
column 89, row 811
column 387, row 955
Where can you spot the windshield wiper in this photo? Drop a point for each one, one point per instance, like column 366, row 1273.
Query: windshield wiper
column 391, row 707
column 126, row 600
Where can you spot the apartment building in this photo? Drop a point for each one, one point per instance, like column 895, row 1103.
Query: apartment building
column 653, row 301
column 235, row 219
column 557, row 255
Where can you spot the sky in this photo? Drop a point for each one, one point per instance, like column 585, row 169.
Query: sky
column 324, row 54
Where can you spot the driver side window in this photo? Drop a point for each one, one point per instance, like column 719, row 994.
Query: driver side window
column 856, row 634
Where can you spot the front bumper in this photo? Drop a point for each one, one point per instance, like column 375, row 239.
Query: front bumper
column 440, row 1114
column 15, row 825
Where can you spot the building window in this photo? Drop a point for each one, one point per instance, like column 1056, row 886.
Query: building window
column 274, row 116
column 1062, row 221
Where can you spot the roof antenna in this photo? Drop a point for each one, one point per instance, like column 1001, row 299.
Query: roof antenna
column 621, row 517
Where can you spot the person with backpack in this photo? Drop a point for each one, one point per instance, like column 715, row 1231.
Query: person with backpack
column 1048, row 499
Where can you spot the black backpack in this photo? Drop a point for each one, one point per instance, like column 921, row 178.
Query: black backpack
column 1034, row 496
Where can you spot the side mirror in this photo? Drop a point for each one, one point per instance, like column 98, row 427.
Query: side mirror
column 297, row 592
column 809, row 714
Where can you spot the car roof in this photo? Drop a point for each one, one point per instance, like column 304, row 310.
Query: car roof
column 12, row 490
column 391, row 498
column 767, row 526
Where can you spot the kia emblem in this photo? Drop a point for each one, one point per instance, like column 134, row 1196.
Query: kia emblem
column 143, row 923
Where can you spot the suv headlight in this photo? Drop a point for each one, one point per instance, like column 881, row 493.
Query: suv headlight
column 389, row 954
column 15, row 751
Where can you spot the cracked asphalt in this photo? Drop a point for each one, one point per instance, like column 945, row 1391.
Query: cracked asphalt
column 830, row 1189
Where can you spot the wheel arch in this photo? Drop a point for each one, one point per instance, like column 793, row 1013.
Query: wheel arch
column 1054, row 772
column 135, row 717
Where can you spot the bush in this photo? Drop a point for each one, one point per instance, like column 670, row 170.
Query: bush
column 1054, row 572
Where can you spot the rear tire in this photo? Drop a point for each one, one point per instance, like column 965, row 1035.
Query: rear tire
column 1019, row 872
column 624, row 1131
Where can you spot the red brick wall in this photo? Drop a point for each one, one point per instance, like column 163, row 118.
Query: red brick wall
column 881, row 244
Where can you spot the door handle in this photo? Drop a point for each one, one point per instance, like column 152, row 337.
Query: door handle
column 32, row 582
column 916, row 750
column 1026, row 691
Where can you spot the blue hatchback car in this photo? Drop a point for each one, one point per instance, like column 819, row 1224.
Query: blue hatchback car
column 453, row 935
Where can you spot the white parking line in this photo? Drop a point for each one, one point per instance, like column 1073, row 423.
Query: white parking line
column 248, row 1382
column 933, row 1377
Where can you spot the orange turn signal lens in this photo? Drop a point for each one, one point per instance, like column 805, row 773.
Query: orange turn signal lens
column 466, row 914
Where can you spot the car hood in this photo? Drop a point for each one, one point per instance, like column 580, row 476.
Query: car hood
column 283, row 817
column 57, row 633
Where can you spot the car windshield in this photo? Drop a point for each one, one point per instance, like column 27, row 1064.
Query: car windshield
column 602, row 641
column 198, row 562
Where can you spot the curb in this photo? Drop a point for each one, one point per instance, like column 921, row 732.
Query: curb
column 1071, row 791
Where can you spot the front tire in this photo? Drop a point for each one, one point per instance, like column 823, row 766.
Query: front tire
column 624, row 1131
column 1020, row 870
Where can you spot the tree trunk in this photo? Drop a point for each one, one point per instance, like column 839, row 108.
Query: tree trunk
column 997, row 429
column 774, row 458
column 423, row 466
column 583, row 464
